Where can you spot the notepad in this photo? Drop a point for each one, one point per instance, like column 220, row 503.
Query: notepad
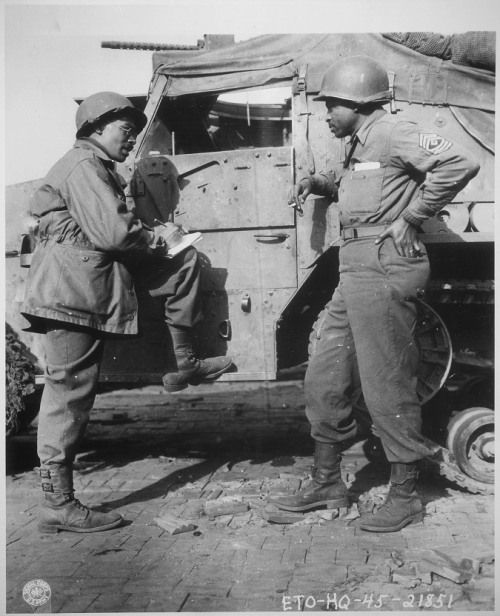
column 188, row 240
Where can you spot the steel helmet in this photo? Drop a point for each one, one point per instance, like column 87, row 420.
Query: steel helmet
column 357, row 78
column 97, row 105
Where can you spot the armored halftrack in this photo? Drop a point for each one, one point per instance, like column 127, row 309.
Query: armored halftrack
column 224, row 168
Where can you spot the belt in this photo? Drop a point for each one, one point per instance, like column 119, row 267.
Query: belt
column 352, row 233
column 79, row 242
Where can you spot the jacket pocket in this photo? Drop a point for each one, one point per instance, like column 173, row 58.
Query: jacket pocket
column 86, row 283
column 363, row 190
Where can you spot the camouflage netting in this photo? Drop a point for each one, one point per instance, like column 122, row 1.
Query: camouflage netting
column 19, row 379
column 476, row 49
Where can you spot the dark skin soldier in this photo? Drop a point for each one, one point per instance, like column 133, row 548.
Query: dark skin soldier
column 81, row 290
column 395, row 175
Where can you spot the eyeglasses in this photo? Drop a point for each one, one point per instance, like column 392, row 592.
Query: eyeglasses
column 130, row 133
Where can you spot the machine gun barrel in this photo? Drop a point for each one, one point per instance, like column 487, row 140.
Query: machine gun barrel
column 151, row 46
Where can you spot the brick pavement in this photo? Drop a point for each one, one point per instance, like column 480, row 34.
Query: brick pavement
column 147, row 453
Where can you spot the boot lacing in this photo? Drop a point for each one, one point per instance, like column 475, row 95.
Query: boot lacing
column 78, row 504
column 70, row 498
column 192, row 357
column 391, row 496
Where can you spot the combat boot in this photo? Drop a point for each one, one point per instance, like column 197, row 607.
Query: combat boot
column 326, row 487
column 402, row 505
column 60, row 510
column 186, row 368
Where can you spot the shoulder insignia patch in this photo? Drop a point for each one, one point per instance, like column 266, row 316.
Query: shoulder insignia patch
column 433, row 143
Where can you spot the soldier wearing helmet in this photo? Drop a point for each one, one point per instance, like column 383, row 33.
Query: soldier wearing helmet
column 81, row 290
column 395, row 175
column 103, row 105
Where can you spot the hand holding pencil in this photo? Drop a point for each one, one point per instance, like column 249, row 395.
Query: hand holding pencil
column 170, row 232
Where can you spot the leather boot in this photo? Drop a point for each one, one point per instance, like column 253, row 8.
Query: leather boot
column 326, row 487
column 402, row 505
column 188, row 370
column 60, row 510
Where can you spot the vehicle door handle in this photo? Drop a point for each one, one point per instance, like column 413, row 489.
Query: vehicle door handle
column 271, row 236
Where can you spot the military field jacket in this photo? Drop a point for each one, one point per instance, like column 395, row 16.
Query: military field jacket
column 395, row 168
column 86, row 233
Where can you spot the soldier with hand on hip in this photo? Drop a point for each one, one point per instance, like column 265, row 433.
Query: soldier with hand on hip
column 81, row 289
column 395, row 175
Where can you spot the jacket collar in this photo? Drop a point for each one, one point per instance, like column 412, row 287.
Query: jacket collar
column 362, row 133
column 87, row 143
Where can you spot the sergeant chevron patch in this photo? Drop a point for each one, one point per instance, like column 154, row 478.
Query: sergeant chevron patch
column 433, row 143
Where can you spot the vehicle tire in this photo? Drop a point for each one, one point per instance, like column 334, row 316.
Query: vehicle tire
column 471, row 435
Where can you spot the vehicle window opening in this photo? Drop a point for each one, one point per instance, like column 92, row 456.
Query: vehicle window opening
column 189, row 125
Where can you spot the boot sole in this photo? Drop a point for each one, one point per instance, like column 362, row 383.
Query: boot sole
column 180, row 386
column 211, row 377
column 330, row 504
column 173, row 388
column 53, row 529
column 392, row 529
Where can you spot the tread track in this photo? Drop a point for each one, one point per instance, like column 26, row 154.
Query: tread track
column 443, row 463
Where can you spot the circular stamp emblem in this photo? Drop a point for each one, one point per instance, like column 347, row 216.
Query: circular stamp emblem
column 36, row 592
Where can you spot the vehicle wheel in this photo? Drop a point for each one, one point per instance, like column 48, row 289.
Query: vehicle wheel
column 434, row 343
column 436, row 352
column 471, row 439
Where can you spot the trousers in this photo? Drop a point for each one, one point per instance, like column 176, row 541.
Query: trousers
column 73, row 356
column 366, row 340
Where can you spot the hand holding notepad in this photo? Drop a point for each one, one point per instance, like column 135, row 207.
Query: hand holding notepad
column 176, row 237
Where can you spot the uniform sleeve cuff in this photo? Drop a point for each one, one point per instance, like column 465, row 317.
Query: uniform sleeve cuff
column 314, row 183
column 412, row 219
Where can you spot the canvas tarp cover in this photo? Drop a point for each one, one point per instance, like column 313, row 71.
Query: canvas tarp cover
column 273, row 60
